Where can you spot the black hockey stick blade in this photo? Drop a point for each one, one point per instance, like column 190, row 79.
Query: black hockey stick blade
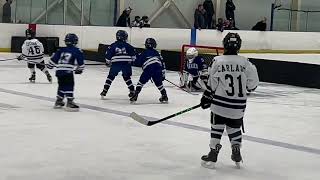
column 146, row 122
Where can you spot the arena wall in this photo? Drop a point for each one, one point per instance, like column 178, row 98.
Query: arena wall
column 171, row 39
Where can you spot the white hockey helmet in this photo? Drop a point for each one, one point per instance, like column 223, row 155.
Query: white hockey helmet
column 192, row 53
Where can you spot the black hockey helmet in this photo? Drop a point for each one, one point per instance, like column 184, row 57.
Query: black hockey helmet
column 122, row 35
column 71, row 39
column 232, row 43
column 150, row 43
column 30, row 34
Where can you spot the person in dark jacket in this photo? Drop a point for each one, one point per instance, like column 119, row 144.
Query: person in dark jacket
column 124, row 19
column 229, row 25
column 199, row 18
column 230, row 8
column 6, row 14
column 261, row 25
column 220, row 25
column 210, row 20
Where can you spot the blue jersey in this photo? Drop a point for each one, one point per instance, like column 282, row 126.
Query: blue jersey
column 150, row 59
column 120, row 52
column 196, row 66
column 66, row 59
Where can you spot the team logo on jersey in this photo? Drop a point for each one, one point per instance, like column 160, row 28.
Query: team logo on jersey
column 120, row 51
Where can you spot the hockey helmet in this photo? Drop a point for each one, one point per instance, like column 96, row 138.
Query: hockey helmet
column 192, row 53
column 30, row 34
column 71, row 39
column 122, row 35
column 150, row 43
column 232, row 43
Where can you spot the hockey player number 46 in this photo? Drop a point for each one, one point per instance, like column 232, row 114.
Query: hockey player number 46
column 231, row 85
column 34, row 50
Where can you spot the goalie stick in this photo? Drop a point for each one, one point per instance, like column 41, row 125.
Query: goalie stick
column 179, row 87
column 146, row 122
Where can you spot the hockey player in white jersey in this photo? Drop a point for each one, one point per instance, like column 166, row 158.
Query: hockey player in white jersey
column 32, row 51
column 230, row 77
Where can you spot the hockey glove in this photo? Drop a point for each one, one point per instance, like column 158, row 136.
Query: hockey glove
column 21, row 57
column 78, row 71
column 108, row 62
column 206, row 99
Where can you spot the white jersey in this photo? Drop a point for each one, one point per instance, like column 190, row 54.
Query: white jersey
column 33, row 51
column 230, row 77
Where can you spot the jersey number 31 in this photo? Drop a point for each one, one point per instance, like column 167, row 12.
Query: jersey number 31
column 232, row 85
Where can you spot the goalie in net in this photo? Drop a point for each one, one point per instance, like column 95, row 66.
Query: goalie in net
column 194, row 66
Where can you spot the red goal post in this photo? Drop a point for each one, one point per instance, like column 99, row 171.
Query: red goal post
column 207, row 52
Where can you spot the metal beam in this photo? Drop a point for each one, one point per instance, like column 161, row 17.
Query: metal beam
column 49, row 7
column 166, row 5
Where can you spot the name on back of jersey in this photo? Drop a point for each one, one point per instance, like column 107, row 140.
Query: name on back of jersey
column 231, row 68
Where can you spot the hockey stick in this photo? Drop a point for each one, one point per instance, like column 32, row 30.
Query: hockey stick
column 146, row 122
column 8, row 59
column 179, row 87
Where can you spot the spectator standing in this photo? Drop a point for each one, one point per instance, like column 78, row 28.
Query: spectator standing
column 124, row 19
column 210, row 20
column 6, row 14
column 220, row 25
column 230, row 8
column 199, row 18
column 261, row 25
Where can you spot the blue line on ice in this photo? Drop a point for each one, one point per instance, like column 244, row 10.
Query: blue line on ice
column 177, row 124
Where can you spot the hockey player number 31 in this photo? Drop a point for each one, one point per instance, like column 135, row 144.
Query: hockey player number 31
column 231, row 85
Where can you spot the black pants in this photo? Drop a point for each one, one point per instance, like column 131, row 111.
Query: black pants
column 40, row 65
column 233, row 127
column 65, row 86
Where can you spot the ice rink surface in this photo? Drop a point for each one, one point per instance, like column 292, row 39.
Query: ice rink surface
column 102, row 143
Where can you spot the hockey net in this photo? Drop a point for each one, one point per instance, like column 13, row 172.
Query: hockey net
column 207, row 52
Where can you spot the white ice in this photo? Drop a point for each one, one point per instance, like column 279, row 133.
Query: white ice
column 38, row 142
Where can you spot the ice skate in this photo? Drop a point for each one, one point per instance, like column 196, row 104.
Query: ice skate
column 164, row 99
column 32, row 79
column 59, row 103
column 131, row 94
column 209, row 161
column 134, row 98
column 103, row 94
column 236, row 155
column 71, row 106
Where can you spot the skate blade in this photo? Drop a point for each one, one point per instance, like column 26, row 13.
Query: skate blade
column 208, row 165
column 57, row 107
column 133, row 102
column 32, row 82
column 72, row 109
column 238, row 165
column 103, row 97
column 164, row 102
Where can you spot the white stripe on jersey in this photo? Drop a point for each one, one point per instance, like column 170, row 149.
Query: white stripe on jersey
column 151, row 61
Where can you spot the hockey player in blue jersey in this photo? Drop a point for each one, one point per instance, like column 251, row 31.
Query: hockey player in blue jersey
column 153, row 68
column 120, row 55
column 195, row 71
column 65, row 60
